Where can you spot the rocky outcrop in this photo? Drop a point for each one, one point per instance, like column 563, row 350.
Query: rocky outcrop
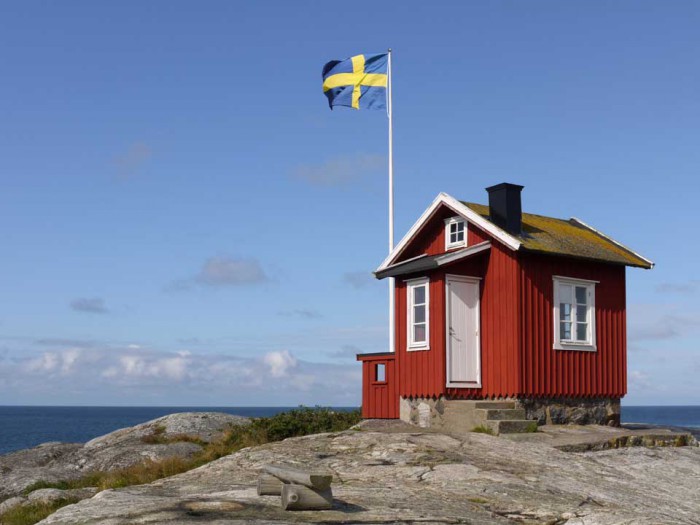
column 399, row 476
column 53, row 462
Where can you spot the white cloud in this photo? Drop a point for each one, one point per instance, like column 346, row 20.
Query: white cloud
column 304, row 313
column 682, row 288
column 654, row 322
column 639, row 380
column 109, row 374
column 92, row 305
column 340, row 171
column 359, row 279
column 223, row 271
column 345, row 352
column 279, row 362
column 226, row 271
column 61, row 361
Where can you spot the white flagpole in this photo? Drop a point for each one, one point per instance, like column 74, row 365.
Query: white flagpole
column 389, row 108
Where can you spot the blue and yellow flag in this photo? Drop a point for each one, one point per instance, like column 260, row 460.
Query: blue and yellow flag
column 357, row 82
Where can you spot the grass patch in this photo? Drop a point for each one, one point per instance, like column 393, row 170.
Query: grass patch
column 480, row 501
column 158, row 437
column 483, row 429
column 297, row 422
column 31, row 513
column 531, row 427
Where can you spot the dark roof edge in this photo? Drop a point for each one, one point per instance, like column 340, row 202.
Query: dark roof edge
column 426, row 262
column 390, row 270
column 376, row 354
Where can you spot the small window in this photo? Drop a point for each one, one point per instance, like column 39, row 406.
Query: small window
column 574, row 314
column 418, row 302
column 380, row 373
column 455, row 233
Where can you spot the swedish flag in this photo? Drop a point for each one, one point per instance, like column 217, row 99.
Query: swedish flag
column 357, row 82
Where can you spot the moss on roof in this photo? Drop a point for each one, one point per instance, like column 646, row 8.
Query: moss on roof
column 568, row 238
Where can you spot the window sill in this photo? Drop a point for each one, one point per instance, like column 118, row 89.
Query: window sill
column 454, row 246
column 463, row 385
column 574, row 346
column 379, row 383
column 417, row 349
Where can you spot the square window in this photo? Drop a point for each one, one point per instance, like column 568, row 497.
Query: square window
column 455, row 232
column 574, row 314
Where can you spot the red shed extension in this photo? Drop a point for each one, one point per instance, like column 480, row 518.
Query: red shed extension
column 496, row 304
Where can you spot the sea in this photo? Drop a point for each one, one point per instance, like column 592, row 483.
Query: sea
column 27, row 426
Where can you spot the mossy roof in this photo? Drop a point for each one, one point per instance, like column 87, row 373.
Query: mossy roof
column 569, row 238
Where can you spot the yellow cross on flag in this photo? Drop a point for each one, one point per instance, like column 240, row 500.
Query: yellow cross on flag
column 356, row 82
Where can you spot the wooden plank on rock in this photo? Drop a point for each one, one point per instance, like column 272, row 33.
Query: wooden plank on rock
column 318, row 480
column 269, row 485
column 299, row 497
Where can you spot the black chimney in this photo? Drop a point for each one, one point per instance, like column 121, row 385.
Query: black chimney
column 504, row 206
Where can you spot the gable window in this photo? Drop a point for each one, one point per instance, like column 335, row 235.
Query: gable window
column 418, row 322
column 455, row 232
column 574, row 314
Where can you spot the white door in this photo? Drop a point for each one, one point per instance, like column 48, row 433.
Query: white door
column 463, row 349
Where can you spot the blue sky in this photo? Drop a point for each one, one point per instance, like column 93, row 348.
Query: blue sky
column 184, row 221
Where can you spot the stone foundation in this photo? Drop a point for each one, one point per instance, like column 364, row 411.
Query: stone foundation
column 424, row 412
column 457, row 415
column 563, row 411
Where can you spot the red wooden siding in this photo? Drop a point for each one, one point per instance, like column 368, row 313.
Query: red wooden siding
column 422, row 373
column 431, row 238
column 516, row 331
column 500, row 311
column 549, row 372
column 380, row 399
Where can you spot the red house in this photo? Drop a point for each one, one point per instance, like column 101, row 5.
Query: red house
column 502, row 318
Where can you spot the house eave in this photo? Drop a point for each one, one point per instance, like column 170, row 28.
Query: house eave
column 424, row 262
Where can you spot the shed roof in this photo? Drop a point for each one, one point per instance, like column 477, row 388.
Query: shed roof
column 571, row 238
column 430, row 262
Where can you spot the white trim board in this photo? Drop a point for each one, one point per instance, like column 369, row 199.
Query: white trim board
column 461, row 210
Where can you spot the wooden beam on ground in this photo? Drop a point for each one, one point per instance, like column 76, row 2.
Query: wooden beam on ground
column 269, row 485
column 317, row 480
column 299, row 497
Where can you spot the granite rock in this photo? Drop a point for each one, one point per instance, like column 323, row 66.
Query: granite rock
column 54, row 462
column 410, row 477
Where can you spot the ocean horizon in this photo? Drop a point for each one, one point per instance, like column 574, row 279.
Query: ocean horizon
column 26, row 426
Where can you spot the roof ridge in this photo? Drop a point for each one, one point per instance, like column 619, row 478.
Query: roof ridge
column 569, row 220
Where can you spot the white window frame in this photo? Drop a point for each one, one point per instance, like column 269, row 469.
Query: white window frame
column 448, row 223
column 411, row 284
column 590, row 344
